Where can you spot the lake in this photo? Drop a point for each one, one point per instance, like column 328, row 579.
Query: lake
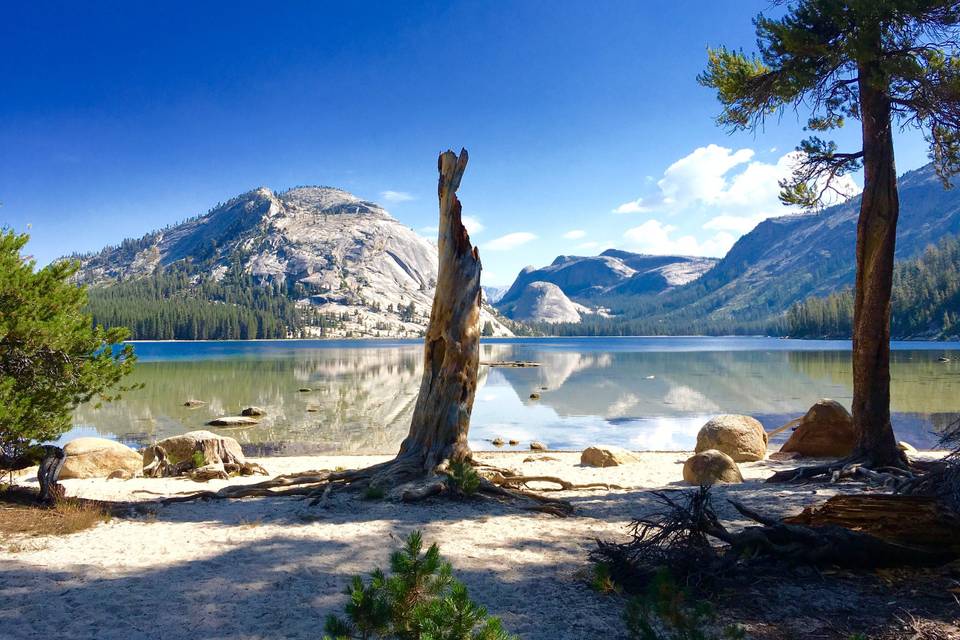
column 640, row 393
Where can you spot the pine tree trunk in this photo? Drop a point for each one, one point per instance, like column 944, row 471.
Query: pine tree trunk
column 876, row 243
column 441, row 418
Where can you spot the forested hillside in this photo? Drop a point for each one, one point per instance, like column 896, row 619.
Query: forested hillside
column 926, row 300
column 177, row 305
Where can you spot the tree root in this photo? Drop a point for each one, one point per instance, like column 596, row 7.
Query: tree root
column 562, row 485
column 684, row 535
column 404, row 481
column 854, row 467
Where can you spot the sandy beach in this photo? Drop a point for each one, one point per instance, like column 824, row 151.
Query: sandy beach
column 275, row 567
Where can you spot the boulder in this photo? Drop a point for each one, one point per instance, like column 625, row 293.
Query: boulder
column 97, row 458
column 498, row 442
column 537, row 446
column 906, row 447
column 606, row 456
column 825, row 431
column 710, row 467
column 181, row 447
column 253, row 411
column 740, row 437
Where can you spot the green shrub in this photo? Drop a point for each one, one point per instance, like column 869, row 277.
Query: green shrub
column 464, row 478
column 602, row 580
column 373, row 492
column 419, row 600
column 666, row 612
column 198, row 459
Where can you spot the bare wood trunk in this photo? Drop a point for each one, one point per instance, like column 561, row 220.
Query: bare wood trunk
column 49, row 473
column 441, row 418
column 876, row 244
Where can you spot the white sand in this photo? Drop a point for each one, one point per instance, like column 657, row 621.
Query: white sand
column 274, row 567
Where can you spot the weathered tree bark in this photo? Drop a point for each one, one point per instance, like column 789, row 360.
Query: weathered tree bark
column 49, row 459
column 49, row 473
column 876, row 244
column 441, row 418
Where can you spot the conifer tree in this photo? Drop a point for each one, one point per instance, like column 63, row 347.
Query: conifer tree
column 52, row 356
column 885, row 63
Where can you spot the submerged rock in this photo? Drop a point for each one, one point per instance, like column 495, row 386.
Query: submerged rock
column 97, row 458
column 606, row 456
column 710, row 467
column 253, row 411
column 740, row 437
column 232, row 421
column 825, row 431
column 194, row 403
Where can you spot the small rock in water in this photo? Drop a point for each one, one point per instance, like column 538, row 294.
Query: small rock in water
column 650, row 378
column 537, row 446
column 232, row 421
column 312, row 409
column 304, row 389
column 514, row 442
column 543, row 388
column 534, row 396
column 253, row 411
column 194, row 403
column 497, row 442
column 943, row 359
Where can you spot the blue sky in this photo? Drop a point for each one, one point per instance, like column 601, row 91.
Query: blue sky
column 584, row 122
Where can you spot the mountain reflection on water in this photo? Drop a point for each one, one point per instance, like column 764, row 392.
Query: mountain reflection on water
column 642, row 393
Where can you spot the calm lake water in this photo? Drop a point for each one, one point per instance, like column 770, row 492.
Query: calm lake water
column 641, row 393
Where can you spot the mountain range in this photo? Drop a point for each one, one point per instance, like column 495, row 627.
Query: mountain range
column 564, row 290
column 320, row 262
column 310, row 262
column 781, row 262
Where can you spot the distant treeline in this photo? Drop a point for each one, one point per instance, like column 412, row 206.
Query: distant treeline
column 926, row 300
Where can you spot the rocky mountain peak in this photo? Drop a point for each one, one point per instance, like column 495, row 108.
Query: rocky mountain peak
column 333, row 253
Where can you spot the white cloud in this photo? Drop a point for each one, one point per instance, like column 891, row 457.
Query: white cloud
column 510, row 241
column 395, row 196
column 473, row 225
column 739, row 224
column 634, row 206
column 575, row 234
column 657, row 238
column 728, row 189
